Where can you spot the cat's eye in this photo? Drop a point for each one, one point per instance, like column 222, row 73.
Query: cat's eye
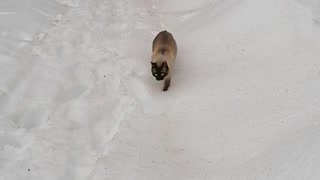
column 156, row 75
column 162, row 74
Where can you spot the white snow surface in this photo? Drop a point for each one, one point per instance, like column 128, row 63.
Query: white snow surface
column 78, row 101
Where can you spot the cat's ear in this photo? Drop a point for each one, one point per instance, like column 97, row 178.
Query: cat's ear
column 164, row 64
column 153, row 64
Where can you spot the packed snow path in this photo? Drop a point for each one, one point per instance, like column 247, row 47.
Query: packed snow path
column 77, row 99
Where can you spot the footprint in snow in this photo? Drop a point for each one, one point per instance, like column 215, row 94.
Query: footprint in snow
column 74, row 92
column 148, row 103
column 33, row 117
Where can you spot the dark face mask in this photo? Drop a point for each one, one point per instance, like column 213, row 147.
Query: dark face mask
column 159, row 72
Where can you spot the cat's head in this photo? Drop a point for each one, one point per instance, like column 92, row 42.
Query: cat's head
column 159, row 70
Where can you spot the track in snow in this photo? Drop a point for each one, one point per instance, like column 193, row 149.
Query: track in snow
column 77, row 100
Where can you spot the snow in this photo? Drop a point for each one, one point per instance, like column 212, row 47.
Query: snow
column 78, row 101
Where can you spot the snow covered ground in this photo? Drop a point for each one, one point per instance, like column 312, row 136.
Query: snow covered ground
column 78, row 102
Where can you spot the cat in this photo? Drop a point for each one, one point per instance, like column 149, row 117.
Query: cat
column 164, row 53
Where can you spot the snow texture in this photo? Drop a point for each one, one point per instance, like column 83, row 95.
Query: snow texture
column 78, row 101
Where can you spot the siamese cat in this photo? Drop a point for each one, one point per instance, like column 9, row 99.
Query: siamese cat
column 164, row 52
